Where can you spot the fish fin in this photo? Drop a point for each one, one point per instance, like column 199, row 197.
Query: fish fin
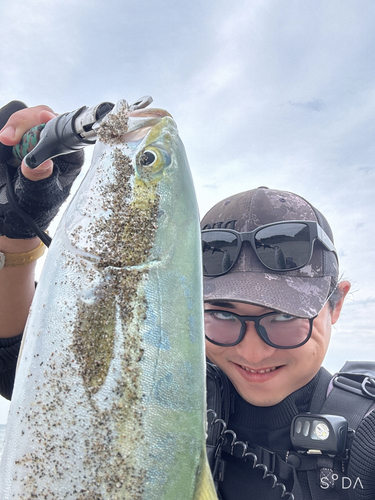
column 204, row 489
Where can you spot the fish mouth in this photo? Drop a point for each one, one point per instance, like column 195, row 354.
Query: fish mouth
column 141, row 121
column 149, row 112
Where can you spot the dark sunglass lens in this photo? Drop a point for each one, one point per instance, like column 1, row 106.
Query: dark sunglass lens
column 219, row 251
column 284, row 330
column 283, row 246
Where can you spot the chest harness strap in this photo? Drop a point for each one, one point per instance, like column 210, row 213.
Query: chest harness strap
column 357, row 378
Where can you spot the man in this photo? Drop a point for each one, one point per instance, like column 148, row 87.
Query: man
column 271, row 295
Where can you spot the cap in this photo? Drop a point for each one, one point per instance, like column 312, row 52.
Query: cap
column 302, row 292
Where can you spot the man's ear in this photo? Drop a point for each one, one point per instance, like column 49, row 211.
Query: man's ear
column 344, row 287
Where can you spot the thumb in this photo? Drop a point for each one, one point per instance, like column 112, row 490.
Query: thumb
column 43, row 171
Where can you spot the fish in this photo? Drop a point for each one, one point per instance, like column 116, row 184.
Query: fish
column 109, row 397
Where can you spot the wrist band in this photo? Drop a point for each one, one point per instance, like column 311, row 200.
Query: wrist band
column 21, row 259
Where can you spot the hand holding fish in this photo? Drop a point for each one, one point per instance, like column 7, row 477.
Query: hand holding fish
column 19, row 247
column 41, row 200
column 16, row 125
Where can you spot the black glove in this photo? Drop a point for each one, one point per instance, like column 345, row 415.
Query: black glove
column 27, row 207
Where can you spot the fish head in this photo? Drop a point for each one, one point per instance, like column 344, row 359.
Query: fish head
column 150, row 137
column 161, row 179
column 139, row 178
column 156, row 150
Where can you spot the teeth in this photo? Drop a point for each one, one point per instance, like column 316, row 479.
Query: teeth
column 267, row 370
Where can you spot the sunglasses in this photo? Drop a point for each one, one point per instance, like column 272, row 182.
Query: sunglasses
column 279, row 330
column 280, row 246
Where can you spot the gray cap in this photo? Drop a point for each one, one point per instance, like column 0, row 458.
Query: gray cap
column 302, row 292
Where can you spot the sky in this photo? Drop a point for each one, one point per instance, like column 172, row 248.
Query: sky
column 276, row 93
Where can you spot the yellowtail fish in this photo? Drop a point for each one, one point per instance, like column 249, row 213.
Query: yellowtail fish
column 109, row 399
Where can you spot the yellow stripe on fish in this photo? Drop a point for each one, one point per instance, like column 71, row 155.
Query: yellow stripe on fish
column 205, row 489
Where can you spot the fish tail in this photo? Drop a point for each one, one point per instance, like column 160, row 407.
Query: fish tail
column 205, row 489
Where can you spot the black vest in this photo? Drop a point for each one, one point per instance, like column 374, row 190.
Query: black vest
column 251, row 454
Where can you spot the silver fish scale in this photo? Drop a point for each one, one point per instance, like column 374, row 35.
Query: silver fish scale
column 109, row 397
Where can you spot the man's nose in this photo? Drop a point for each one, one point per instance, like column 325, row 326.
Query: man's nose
column 252, row 346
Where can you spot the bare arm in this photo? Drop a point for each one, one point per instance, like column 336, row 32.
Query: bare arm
column 16, row 288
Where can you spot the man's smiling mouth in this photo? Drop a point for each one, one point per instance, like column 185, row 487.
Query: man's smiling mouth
column 264, row 370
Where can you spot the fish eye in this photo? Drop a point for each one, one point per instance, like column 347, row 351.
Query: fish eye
column 151, row 162
column 148, row 158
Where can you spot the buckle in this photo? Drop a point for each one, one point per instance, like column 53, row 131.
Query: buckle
column 2, row 260
column 267, row 458
column 370, row 381
column 356, row 383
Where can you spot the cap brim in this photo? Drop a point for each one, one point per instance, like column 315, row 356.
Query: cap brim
column 302, row 297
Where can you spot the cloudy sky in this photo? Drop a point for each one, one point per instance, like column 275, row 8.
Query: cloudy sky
column 277, row 93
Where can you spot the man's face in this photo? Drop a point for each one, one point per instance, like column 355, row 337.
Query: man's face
column 264, row 375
